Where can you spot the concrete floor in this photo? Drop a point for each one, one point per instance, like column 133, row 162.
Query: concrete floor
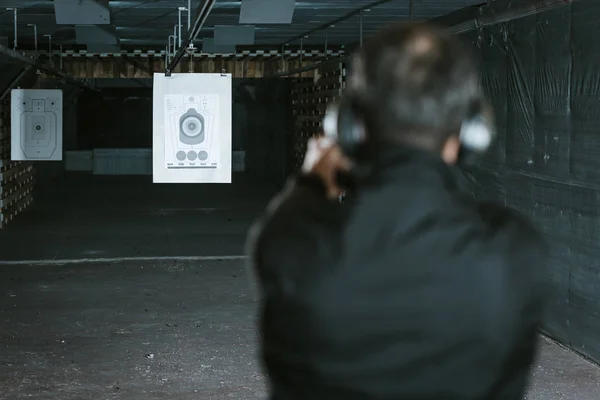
column 154, row 329
column 560, row 374
column 157, row 330
column 164, row 330
column 82, row 216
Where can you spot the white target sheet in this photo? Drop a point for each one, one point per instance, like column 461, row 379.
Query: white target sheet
column 192, row 128
column 36, row 125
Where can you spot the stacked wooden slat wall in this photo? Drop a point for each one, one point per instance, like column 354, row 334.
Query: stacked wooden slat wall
column 17, row 178
column 310, row 97
column 145, row 67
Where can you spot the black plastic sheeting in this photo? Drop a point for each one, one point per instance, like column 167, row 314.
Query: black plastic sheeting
column 542, row 74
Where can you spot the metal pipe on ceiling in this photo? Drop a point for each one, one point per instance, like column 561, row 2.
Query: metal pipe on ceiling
column 15, row 22
column 175, row 36
column 180, row 9
column 34, row 63
column 189, row 14
column 35, row 37
column 202, row 13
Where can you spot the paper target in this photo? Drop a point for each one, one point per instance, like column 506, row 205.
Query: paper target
column 36, row 125
column 192, row 128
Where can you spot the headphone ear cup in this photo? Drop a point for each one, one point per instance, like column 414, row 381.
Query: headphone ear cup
column 350, row 127
column 342, row 124
column 477, row 131
column 330, row 121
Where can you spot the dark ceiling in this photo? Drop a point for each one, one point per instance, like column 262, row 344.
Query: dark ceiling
column 146, row 24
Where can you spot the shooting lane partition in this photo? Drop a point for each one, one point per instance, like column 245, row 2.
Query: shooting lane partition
column 17, row 178
column 310, row 97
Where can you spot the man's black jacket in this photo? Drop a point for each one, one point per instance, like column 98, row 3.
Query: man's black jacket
column 412, row 290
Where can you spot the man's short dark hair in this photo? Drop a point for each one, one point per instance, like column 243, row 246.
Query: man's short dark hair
column 414, row 83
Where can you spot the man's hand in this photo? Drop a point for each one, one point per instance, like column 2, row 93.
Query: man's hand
column 325, row 159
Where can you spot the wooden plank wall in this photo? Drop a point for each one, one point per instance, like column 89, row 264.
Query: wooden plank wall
column 145, row 67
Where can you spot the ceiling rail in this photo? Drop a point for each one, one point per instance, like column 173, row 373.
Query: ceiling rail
column 204, row 10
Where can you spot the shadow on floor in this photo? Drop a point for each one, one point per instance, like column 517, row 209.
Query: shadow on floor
column 83, row 216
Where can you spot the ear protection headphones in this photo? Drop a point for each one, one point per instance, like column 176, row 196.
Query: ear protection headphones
column 342, row 122
column 477, row 132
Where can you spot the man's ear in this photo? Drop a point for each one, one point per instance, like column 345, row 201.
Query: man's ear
column 450, row 150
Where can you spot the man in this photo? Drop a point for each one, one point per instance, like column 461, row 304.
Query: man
column 411, row 289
